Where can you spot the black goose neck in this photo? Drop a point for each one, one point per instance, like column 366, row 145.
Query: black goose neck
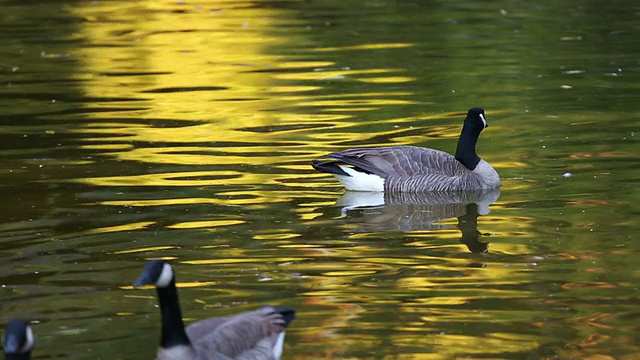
column 24, row 356
column 173, row 333
column 466, row 150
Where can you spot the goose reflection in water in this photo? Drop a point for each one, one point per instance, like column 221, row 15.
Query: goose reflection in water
column 377, row 211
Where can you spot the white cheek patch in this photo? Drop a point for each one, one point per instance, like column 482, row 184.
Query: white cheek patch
column 28, row 345
column 277, row 348
column 165, row 276
column 484, row 121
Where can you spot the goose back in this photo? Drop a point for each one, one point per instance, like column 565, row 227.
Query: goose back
column 400, row 161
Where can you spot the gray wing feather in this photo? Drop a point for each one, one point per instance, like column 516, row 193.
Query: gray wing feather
column 199, row 329
column 401, row 161
column 249, row 335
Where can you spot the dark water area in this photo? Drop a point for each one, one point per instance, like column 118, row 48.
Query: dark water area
column 184, row 130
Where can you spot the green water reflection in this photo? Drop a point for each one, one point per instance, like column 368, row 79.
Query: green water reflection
column 184, row 130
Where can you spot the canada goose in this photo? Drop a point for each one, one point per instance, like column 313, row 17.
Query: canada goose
column 415, row 169
column 18, row 340
column 255, row 335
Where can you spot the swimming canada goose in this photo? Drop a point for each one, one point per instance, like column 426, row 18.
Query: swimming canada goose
column 18, row 340
column 415, row 169
column 255, row 335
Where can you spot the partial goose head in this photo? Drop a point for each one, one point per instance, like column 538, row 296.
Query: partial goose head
column 158, row 273
column 475, row 116
column 18, row 340
column 415, row 169
column 255, row 335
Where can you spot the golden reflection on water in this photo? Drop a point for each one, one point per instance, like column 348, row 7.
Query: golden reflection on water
column 178, row 284
column 218, row 105
column 145, row 249
column 185, row 133
column 500, row 342
column 223, row 82
column 205, row 224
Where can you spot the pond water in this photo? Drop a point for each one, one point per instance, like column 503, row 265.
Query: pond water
column 184, row 130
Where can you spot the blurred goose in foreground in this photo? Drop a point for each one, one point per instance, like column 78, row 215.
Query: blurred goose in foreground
column 255, row 335
column 415, row 169
column 18, row 340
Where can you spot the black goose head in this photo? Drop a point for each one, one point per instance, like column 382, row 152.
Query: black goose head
column 18, row 340
column 476, row 119
column 156, row 272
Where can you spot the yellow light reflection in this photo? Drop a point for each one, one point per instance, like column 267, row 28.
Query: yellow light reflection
column 145, row 249
column 331, row 74
column 205, row 224
column 111, row 229
column 232, row 261
column 387, row 80
column 210, row 84
column 493, row 343
column 293, row 89
column 284, row 236
column 161, row 202
column 198, row 284
column 367, row 47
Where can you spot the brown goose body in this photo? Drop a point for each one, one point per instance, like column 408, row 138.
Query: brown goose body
column 415, row 169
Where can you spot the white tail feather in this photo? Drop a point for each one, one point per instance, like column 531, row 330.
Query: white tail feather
column 359, row 181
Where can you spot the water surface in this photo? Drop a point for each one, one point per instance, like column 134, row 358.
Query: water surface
column 184, row 131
